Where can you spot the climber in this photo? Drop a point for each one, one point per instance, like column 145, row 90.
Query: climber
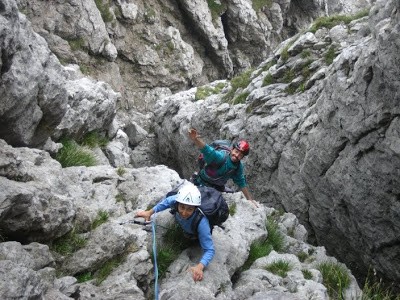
column 221, row 165
column 186, row 201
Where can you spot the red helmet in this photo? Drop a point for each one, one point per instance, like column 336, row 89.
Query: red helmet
column 243, row 146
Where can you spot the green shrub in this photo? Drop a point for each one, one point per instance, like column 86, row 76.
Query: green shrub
column 72, row 154
column 335, row 278
column 279, row 267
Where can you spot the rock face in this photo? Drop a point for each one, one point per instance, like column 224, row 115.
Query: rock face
column 113, row 258
column 138, row 45
column 38, row 94
column 320, row 111
column 324, row 135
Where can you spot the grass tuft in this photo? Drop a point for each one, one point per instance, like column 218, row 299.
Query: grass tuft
column 104, row 9
column 375, row 289
column 232, row 209
column 279, row 267
column 307, row 274
column 258, row 4
column 240, row 81
column 173, row 244
column 332, row 21
column 93, row 139
column 335, row 278
column 274, row 241
column 68, row 244
column 102, row 217
column 72, row 154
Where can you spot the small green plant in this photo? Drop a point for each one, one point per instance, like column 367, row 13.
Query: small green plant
column 72, row 154
column 330, row 55
column 240, row 81
column 102, row 217
column 268, row 79
column 150, row 15
column 165, row 256
column 335, row 278
column 302, row 256
column 374, row 289
column 216, row 8
column 107, row 268
column 83, row 277
column 332, row 21
column 258, row 4
column 172, row 246
column 77, row 44
column 240, row 99
column 121, row 171
column 119, row 198
column 307, row 274
column 104, row 9
column 285, row 53
column 290, row 89
column 93, row 139
column 69, row 243
column 275, row 237
column 206, row 91
column 305, row 53
column 279, row 267
column 232, row 209
column 274, row 241
column 288, row 76
column 203, row 92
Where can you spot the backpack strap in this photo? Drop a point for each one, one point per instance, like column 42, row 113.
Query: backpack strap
column 196, row 220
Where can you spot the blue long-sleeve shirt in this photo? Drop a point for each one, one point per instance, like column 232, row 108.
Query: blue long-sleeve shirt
column 203, row 230
column 224, row 172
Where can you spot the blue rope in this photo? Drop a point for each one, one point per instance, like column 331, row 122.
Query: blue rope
column 153, row 229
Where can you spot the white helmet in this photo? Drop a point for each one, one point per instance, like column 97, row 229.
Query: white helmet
column 189, row 194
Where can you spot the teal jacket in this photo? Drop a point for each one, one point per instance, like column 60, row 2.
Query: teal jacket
column 220, row 168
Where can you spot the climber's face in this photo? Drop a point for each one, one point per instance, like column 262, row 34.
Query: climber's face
column 185, row 211
column 236, row 155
